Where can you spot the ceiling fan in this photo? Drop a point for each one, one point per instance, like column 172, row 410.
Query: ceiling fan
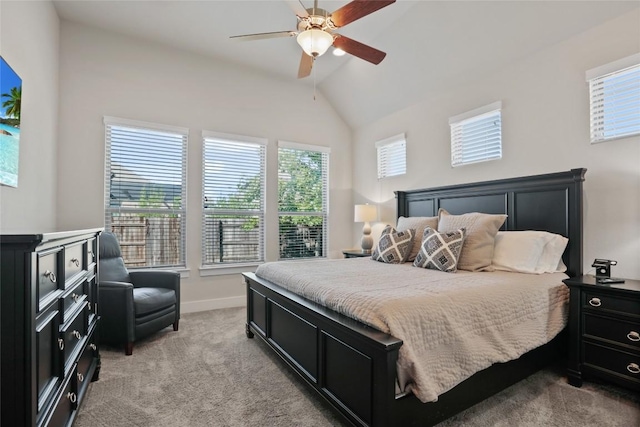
column 315, row 31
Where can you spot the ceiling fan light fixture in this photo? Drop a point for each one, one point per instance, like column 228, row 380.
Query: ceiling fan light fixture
column 339, row 52
column 315, row 42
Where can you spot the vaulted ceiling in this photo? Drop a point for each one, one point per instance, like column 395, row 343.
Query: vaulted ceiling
column 430, row 45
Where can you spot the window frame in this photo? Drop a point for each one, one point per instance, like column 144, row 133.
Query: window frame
column 457, row 124
column 207, row 136
column 609, row 73
column 388, row 152
column 182, row 132
column 326, row 154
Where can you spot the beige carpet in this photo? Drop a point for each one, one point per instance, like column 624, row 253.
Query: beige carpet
column 210, row 374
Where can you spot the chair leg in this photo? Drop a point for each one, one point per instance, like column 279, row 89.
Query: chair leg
column 128, row 348
column 175, row 324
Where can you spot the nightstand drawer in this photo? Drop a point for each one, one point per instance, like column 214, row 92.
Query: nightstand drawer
column 619, row 331
column 625, row 364
column 609, row 303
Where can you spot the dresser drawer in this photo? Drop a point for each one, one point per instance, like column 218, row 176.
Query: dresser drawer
column 622, row 363
column 47, row 363
column 91, row 248
column 74, row 260
column 619, row 331
column 73, row 299
column 86, row 365
column 65, row 405
column 49, row 281
column 609, row 303
column 73, row 334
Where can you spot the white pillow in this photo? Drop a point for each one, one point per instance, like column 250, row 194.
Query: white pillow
column 518, row 251
column 529, row 252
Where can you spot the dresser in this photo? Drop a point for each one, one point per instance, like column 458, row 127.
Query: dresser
column 49, row 314
column 604, row 331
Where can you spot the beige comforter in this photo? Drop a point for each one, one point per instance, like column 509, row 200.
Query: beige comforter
column 452, row 325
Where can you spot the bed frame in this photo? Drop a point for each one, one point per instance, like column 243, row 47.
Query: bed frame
column 353, row 366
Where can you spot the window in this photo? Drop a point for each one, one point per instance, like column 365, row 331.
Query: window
column 614, row 98
column 233, row 188
column 145, row 197
column 303, row 200
column 392, row 156
column 476, row 136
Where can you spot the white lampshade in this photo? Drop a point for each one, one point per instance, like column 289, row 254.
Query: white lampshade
column 365, row 213
column 315, row 42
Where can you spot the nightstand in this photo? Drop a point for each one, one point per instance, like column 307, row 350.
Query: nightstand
column 355, row 253
column 604, row 331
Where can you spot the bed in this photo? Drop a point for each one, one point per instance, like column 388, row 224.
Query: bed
column 353, row 365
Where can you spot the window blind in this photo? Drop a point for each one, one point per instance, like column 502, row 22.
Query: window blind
column 392, row 156
column 615, row 100
column 303, row 200
column 145, row 197
column 233, row 188
column 476, row 136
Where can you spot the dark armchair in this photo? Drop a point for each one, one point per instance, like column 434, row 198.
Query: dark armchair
column 133, row 304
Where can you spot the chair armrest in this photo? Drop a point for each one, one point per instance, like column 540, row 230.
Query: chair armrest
column 168, row 279
column 117, row 315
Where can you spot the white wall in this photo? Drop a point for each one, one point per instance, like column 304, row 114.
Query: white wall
column 29, row 42
column 107, row 74
column 545, row 121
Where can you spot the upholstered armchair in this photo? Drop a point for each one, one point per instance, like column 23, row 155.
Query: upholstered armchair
column 133, row 304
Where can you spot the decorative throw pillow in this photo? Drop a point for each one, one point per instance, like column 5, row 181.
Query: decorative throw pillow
column 481, row 228
column 440, row 251
column 417, row 223
column 393, row 246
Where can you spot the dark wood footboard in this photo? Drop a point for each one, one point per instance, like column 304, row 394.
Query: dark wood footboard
column 351, row 365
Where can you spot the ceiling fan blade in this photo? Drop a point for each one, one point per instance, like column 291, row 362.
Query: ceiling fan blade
column 356, row 10
column 358, row 49
column 306, row 63
column 298, row 8
column 261, row 36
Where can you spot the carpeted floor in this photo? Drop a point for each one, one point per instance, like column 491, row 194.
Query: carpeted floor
column 210, row 374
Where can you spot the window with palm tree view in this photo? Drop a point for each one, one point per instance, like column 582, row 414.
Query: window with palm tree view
column 146, row 191
column 302, row 200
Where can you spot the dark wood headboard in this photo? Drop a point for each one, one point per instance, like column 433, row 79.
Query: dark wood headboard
column 550, row 202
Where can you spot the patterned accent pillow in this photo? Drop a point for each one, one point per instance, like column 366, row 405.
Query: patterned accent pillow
column 393, row 246
column 440, row 251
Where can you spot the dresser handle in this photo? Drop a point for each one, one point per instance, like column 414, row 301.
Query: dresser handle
column 93, row 347
column 76, row 334
column 633, row 368
column 51, row 275
column 80, row 377
column 76, row 261
column 60, row 343
column 75, row 297
column 633, row 336
column 72, row 397
column 595, row 302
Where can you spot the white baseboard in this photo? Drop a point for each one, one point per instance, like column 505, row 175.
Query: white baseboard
column 212, row 304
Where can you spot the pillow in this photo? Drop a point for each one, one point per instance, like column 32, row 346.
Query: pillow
column 440, row 251
column 551, row 258
column 529, row 252
column 481, row 229
column 518, row 251
column 393, row 246
column 418, row 223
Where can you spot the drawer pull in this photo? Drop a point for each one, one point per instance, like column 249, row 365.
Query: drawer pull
column 77, row 334
column 75, row 261
column 93, row 347
column 80, row 377
column 633, row 368
column 72, row 397
column 60, row 343
column 633, row 336
column 595, row 302
column 51, row 275
column 75, row 297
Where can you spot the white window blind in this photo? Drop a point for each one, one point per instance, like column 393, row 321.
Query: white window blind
column 392, row 156
column 476, row 136
column 145, row 197
column 233, row 188
column 614, row 95
column 303, row 200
